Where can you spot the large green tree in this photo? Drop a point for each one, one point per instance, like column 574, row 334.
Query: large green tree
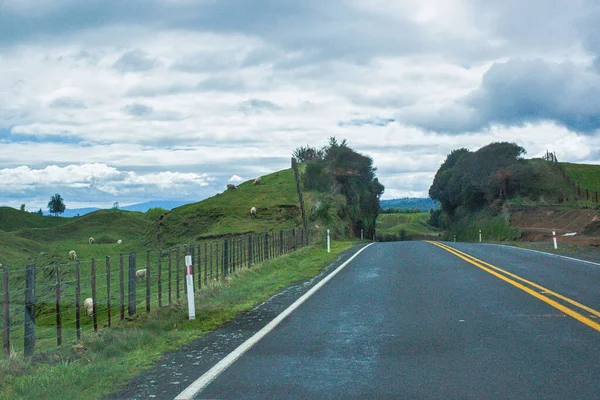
column 339, row 168
column 56, row 205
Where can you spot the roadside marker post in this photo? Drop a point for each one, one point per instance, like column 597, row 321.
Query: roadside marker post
column 328, row 242
column 454, row 238
column 362, row 235
column 480, row 236
column 189, row 276
column 554, row 240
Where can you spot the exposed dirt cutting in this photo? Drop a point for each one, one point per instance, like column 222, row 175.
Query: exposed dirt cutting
column 537, row 224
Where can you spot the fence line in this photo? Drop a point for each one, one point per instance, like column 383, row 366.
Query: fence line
column 56, row 294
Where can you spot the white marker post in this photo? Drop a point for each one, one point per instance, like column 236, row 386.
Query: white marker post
column 480, row 236
column 554, row 240
column 454, row 238
column 189, row 276
column 328, row 242
column 361, row 235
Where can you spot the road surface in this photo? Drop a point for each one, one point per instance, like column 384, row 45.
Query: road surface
column 416, row 320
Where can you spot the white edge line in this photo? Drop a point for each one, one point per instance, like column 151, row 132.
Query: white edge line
column 201, row 383
column 548, row 254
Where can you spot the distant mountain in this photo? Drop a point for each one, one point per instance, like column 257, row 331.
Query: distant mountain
column 141, row 207
column 423, row 204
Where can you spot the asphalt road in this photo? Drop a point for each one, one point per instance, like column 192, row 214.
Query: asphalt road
column 410, row 320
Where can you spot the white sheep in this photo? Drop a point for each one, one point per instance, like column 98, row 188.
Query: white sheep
column 73, row 255
column 257, row 181
column 119, row 241
column 91, row 240
column 253, row 212
column 140, row 274
column 88, row 304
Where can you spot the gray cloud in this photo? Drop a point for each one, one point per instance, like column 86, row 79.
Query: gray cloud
column 67, row 102
column 257, row 106
column 135, row 61
column 137, row 110
column 206, row 62
column 518, row 92
column 375, row 121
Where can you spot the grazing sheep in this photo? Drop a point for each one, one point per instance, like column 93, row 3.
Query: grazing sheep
column 91, row 240
column 88, row 304
column 119, row 241
column 257, row 181
column 253, row 212
column 73, row 255
column 140, row 274
column 231, row 186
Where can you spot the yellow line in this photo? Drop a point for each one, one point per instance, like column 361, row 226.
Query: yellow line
column 548, row 291
column 535, row 294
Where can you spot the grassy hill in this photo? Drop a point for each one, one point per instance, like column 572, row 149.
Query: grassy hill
column 586, row 175
column 404, row 226
column 12, row 219
column 16, row 251
column 275, row 198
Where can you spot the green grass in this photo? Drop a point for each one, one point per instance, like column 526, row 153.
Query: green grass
column 12, row 219
column 276, row 200
column 586, row 175
column 107, row 360
column 494, row 228
column 411, row 223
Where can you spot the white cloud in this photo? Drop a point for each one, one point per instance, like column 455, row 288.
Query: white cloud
column 143, row 97
column 236, row 178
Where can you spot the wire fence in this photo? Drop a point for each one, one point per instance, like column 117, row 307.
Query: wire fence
column 42, row 306
column 582, row 193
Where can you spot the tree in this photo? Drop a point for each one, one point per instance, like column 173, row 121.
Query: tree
column 56, row 205
column 22, row 207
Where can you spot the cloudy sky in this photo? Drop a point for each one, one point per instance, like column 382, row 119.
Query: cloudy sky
column 133, row 100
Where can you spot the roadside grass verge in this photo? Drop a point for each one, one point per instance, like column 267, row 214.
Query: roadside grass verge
column 104, row 362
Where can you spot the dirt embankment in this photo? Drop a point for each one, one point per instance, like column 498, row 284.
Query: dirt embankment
column 537, row 224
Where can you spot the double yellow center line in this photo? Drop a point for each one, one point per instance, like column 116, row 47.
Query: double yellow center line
column 546, row 295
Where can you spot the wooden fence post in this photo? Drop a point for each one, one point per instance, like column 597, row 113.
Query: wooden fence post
column 159, row 278
column 217, row 261
column 94, row 297
column 225, row 257
column 199, row 266
column 108, row 289
column 266, row 257
column 58, row 314
column 78, row 299
column 206, row 265
column 280, row 243
column 122, row 285
column 29, row 338
column 131, row 303
column 148, row 273
column 5, row 313
column 250, row 255
column 177, row 286
column 169, row 273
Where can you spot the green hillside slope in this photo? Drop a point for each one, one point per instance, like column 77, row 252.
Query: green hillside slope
column 16, row 251
column 404, row 226
column 275, row 198
column 12, row 219
column 585, row 175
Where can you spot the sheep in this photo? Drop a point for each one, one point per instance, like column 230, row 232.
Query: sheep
column 91, row 240
column 140, row 274
column 253, row 212
column 73, row 255
column 231, row 186
column 257, row 181
column 119, row 241
column 88, row 304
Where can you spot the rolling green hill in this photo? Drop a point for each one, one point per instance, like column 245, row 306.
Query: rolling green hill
column 404, row 226
column 16, row 251
column 586, row 175
column 12, row 220
column 275, row 198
